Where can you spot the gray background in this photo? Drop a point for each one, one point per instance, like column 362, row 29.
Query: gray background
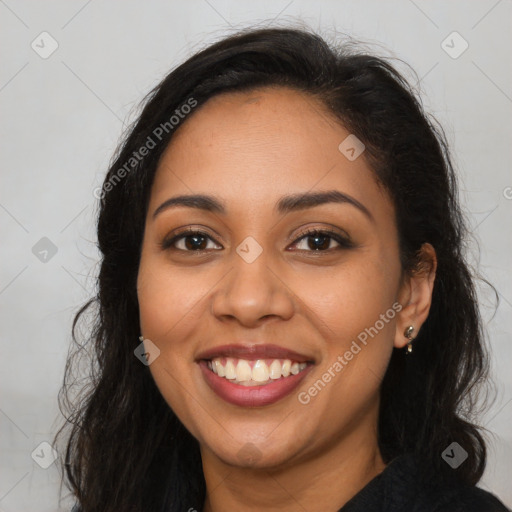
column 61, row 118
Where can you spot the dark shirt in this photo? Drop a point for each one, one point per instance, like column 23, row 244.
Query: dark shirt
column 401, row 488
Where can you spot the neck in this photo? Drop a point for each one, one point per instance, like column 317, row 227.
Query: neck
column 329, row 479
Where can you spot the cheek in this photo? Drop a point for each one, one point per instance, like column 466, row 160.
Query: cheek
column 355, row 314
column 352, row 298
column 355, row 309
column 169, row 300
column 170, row 303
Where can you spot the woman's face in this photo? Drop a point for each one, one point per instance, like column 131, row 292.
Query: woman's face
column 255, row 299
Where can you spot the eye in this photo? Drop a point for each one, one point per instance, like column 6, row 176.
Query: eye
column 190, row 240
column 317, row 240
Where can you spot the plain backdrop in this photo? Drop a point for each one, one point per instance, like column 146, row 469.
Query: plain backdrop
column 63, row 113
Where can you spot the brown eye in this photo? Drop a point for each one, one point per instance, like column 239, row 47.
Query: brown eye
column 188, row 241
column 321, row 241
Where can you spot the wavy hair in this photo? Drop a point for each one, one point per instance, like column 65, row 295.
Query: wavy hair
column 125, row 448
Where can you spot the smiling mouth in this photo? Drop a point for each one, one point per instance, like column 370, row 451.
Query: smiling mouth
column 258, row 372
column 253, row 375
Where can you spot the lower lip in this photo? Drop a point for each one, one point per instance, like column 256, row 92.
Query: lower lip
column 252, row 396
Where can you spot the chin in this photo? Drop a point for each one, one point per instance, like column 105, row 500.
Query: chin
column 256, row 454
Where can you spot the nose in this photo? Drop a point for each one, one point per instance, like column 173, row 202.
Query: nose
column 252, row 293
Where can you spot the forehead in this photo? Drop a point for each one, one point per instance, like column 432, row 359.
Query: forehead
column 250, row 147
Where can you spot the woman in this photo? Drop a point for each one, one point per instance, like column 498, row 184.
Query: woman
column 285, row 318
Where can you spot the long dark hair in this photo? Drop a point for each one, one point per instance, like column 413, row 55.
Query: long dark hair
column 126, row 449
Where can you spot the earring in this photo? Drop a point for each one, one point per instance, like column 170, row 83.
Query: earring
column 408, row 334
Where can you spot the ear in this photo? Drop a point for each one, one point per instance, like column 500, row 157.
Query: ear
column 415, row 295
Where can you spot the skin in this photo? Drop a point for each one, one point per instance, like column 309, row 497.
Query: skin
column 248, row 150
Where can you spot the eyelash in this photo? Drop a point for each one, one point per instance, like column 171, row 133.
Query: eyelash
column 344, row 242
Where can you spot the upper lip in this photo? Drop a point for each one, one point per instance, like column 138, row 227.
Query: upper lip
column 252, row 351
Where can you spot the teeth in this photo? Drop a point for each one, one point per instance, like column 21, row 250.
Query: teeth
column 230, row 370
column 219, row 368
column 260, row 371
column 240, row 370
column 243, row 370
column 275, row 370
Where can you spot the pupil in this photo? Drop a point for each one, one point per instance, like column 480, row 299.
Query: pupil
column 196, row 244
column 316, row 238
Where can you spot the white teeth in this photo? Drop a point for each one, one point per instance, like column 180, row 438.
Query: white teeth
column 260, row 371
column 240, row 371
column 230, row 370
column 275, row 370
column 219, row 368
column 243, row 371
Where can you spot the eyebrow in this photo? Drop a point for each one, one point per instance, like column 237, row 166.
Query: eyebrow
column 286, row 204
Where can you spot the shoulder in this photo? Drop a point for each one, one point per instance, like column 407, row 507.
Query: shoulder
column 434, row 493
column 464, row 498
column 406, row 485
